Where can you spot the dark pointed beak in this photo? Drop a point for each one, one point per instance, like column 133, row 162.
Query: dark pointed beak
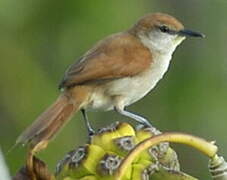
column 186, row 32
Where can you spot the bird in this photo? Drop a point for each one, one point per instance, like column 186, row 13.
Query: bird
column 115, row 73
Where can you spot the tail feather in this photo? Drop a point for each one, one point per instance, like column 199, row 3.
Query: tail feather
column 51, row 130
column 49, row 122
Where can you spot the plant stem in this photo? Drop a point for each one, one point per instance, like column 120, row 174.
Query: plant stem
column 200, row 144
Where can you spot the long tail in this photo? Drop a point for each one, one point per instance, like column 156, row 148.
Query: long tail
column 49, row 122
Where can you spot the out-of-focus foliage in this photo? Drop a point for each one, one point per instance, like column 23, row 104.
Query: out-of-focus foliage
column 40, row 38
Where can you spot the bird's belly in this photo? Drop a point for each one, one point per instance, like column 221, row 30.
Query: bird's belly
column 131, row 89
column 134, row 88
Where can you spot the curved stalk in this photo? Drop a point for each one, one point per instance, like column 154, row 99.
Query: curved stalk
column 200, row 144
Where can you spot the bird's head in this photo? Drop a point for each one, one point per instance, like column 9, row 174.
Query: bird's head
column 161, row 32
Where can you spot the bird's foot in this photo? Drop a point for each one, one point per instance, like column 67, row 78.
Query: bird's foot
column 91, row 132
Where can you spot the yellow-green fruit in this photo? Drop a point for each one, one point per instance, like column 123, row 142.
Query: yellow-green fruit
column 111, row 138
column 165, row 174
column 89, row 178
column 108, row 148
column 83, row 161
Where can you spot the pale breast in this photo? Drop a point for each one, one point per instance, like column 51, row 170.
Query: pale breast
column 136, row 87
column 131, row 88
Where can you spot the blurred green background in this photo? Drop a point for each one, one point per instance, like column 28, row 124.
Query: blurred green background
column 39, row 39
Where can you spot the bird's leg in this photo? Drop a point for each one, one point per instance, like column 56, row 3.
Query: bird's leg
column 136, row 117
column 87, row 123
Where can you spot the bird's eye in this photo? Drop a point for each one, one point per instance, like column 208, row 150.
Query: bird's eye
column 164, row 29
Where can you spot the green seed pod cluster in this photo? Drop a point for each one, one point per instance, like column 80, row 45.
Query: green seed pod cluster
column 100, row 159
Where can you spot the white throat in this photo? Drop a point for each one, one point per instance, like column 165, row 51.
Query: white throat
column 160, row 43
column 161, row 49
